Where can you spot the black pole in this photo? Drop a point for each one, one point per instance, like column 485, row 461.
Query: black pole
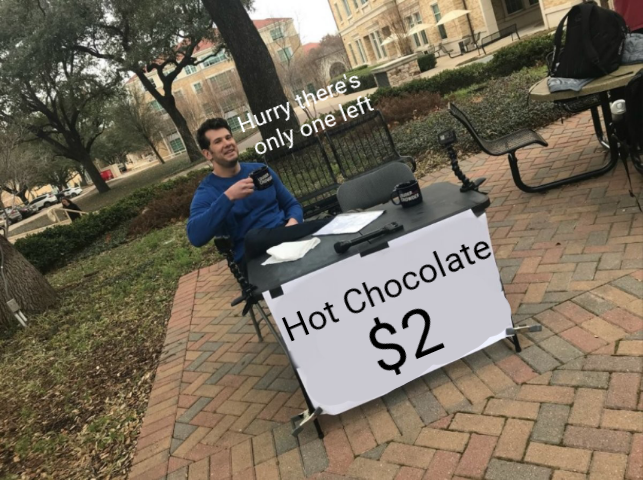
column 464, row 2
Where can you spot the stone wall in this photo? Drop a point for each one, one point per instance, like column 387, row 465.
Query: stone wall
column 402, row 73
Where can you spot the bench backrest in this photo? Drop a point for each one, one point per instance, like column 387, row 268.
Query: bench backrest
column 500, row 34
column 308, row 174
column 362, row 144
column 315, row 167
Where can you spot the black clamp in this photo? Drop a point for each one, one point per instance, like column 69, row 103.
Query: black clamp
column 447, row 139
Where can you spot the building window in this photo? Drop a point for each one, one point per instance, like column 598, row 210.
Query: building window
column 418, row 38
column 350, row 47
column 218, row 58
column 513, row 6
column 156, row 106
column 176, row 144
column 222, row 82
column 339, row 13
column 152, row 81
column 438, row 17
column 362, row 53
column 276, row 33
column 207, row 109
column 234, row 123
column 376, row 40
column 198, row 88
column 379, row 39
column 355, row 4
column 347, row 8
column 190, row 69
column 533, row 2
column 285, row 54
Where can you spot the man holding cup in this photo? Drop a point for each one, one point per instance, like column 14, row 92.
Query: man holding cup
column 244, row 201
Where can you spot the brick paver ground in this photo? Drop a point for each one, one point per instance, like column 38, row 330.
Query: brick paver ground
column 568, row 407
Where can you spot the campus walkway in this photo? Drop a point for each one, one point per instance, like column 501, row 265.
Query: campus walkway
column 568, row 407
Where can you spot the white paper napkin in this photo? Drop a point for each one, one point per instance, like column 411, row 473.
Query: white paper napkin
column 290, row 251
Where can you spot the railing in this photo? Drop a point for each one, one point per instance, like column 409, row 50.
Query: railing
column 499, row 35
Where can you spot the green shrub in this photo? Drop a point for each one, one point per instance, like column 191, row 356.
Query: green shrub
column 250, row 155
column 55, row 246
column 444, row 82
column 166, row 209
column 529, row 52
column 525, row 53
column 493, row 115
column 427, row 62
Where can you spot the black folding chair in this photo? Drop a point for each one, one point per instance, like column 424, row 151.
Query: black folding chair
column 373, row 188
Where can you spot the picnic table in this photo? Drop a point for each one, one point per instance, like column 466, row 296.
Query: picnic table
column 604, row 89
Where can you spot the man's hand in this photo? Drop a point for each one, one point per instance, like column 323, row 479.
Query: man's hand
column 240, row 190
column 291, row 222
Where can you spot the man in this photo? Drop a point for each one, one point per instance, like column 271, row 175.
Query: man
column 226, row 203
column 69, row 205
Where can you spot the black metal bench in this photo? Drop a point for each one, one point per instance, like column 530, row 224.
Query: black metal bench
column 356, row 147
column 499, row 35
column 307, row 172
column 363, row 144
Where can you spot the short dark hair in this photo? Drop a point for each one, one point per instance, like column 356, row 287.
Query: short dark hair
column 210, row 124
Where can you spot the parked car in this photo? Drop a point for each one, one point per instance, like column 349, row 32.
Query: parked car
column 107, row 175
column 72, row 192
column 44, row 201
column 27, row 210
column 11, row 214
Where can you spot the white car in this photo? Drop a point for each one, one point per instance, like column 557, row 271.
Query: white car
column 72, row 192
column 44, row 201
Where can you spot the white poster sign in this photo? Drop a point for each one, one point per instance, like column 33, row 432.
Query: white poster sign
column 365, row 326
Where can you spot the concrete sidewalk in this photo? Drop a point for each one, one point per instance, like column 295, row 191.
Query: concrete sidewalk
column 568, row 407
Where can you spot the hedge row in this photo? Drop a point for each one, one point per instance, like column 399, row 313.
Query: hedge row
column 55, row 246
column 492, row 115
column 530, row 52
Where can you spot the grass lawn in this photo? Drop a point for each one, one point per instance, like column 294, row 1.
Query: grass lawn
column 75, row 384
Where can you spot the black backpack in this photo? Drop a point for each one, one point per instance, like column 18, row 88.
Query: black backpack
column 594, row 43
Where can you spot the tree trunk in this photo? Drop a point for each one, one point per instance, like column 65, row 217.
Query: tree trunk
column 156, row 152
column 253, row 61
column 24, row 283
column 94, row 174
column 194, row 154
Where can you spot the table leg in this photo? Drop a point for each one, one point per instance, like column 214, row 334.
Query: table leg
column 609, row 129
column 598, row 128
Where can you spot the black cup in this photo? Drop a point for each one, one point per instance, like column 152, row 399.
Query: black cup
column 261, row 178
column 409, row 194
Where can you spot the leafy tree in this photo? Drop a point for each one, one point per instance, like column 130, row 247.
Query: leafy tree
column 256, row 68
column 57, row 171
column 17, row 162
column 138, row 122
column 54, row 93
column 19, row 280
column 148, row 36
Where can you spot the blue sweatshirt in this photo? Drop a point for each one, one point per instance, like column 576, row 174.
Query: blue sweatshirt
column 212, row 214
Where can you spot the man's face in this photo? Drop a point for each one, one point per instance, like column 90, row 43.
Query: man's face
column 223, row 149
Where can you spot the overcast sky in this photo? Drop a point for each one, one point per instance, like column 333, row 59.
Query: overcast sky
column 313, row 18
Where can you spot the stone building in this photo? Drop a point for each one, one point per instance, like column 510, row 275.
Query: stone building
column 372, row 29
